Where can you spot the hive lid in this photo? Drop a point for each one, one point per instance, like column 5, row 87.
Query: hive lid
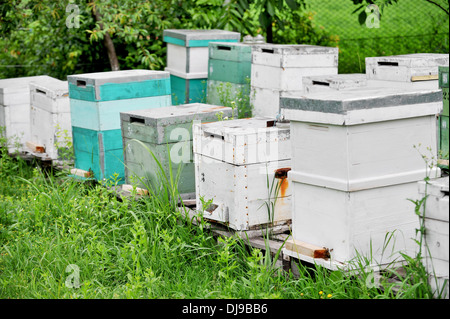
column 15, row 85
column 361, row 105
column 175, row 113
column 198, row 38
column 163, row 120
column 243, row 141
column 52, row 88
column 294, row 49
column 99, row 78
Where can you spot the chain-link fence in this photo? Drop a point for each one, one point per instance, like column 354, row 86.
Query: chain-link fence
column 412, row 26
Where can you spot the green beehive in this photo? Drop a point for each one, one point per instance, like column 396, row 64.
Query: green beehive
column 229, row 73
column 168, row 135
column 443, row 118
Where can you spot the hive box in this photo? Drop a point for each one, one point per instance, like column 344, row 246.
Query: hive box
column 96, row 100
column 241, row 165
column 356, row 161
column 418, row 70
column 15, row 110
column 50, row 128
column 167, row 133
column 443, row 117
column 187, row 61
column 278, row 69
column 436, row 241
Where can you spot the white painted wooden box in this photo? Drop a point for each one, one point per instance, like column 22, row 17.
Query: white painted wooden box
column 280, row 68
column 236, row 164
column 354, row 164
column 50, row 124
column 187, row 50
column 418, row 70
column 15, row 110
column 436, row 241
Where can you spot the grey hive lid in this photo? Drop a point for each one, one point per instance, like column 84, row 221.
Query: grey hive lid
column 199, row 34
column 176, row 113
column 99, row 78
column 342, row 102
column 295, row 49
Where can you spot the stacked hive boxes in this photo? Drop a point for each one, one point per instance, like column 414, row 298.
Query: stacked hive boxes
column 15, row 110
column 354, row 168
column 50, row 118
column 436, row 238
column 278, row 70
column 167, row 134
column 443, row 118
column 187, row 61
column 96, row 100
column 418, row 71
column 241, row 166
column 229, row 75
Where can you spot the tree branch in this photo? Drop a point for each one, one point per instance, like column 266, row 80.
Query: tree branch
column 107, row 41
column 437, row 4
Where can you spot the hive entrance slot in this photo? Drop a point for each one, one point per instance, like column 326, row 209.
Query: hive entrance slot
column 267, row 51
column 385, row 63
column 320, row 83
column 222, row 47
column 137, row 120
column 40, row 92
column 81, row 83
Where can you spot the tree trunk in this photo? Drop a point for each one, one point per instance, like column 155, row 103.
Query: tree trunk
column 109, row 45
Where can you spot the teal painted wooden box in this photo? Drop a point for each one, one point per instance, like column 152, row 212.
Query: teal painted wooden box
column 186, row 91
column 118, row 85
column 167, row 133
column 230, row 62
column 100, row 152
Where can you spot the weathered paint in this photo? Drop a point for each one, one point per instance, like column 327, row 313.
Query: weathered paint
column 103, row 116
column 234, row 161
column 118, row 85
column 167, row 133
column 100, row 151
column 188, row 90
column 198, row 38
column 436, row 240
column 403, row 68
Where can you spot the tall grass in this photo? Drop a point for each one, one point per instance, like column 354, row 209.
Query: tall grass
column 138, row 248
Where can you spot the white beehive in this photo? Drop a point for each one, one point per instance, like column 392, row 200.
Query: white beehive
column 15, row 110
column 436, row 241
column 50, row 125
column 418, row 70
column 278, row 69
column 234, row 162
column 355, row 164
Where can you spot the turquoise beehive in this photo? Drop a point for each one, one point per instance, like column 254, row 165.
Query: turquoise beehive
column 96, row 100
